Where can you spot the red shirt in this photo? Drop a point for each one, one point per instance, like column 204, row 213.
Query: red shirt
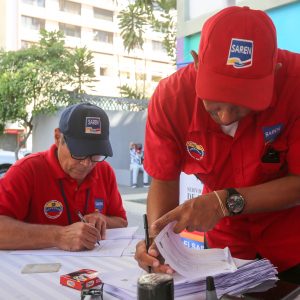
column 37, row 190
column 181, row 136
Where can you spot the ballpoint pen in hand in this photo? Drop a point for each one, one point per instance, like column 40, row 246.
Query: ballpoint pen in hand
column 147, row 240
column 79, row 214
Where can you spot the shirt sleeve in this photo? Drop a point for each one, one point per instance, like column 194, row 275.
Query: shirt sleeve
column 15, row 193
column 169, row 117
column 115, row 204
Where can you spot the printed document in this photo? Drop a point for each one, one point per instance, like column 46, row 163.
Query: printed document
column 117, row 242
column 191, row 263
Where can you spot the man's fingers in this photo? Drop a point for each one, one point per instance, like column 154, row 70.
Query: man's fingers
column 160, row 223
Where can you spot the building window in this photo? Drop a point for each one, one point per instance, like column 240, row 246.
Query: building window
column 40, row 3
column 125, row 74
column 103, row 14
column 103, row 71
column 70, row 7
column 103, row 36
column 26, row 44
column 140, row 76
column 33, row 23
column 158, row 46
column 156, row 78
column 70, row 30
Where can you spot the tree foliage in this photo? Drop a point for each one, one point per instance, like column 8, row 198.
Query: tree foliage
column 134, row 19
column 133, row 23
column 39, row 79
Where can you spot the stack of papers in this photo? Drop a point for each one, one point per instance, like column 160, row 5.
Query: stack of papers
column 244, row 278
column 123, row 285
column 191, row 263
column 231, row 276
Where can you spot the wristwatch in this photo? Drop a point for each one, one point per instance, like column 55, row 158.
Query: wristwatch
column 235, row 202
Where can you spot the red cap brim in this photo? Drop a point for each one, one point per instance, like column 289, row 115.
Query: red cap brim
column 253, row 93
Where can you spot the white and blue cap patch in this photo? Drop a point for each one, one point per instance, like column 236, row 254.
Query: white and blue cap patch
column 93, row 125
column 240, row 53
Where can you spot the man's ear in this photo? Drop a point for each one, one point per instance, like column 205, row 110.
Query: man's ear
column 195, row 58
column 57, row 135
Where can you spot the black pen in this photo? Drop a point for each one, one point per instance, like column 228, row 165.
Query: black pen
column 79, row 214
column 147, row 236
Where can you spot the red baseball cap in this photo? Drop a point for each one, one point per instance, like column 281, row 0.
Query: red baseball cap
column 237, row 58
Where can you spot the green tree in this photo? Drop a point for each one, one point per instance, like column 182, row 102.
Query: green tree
column 40, row 79
column 133, row 22
column 142, row 13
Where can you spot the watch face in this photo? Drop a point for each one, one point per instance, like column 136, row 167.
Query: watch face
column 235, row 203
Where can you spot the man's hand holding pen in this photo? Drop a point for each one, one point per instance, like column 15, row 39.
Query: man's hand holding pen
column 148, row 256
column 99, row 222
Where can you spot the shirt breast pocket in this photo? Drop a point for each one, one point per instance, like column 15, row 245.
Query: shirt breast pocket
column 273, row 160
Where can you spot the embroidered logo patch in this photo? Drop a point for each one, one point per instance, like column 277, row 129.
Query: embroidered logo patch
column 53, row 209
column 272, row 132
column 93, row 125
column 240, row 53
column 99, row 204
column 195, row 151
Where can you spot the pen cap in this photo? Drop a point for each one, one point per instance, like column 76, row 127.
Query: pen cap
column 155, row 286
column 210, row 289
column 210, row 284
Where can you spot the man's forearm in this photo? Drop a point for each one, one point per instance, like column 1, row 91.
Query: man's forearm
column 274, row 195
column 163, row 196
column 115, row 222
column 16, row 234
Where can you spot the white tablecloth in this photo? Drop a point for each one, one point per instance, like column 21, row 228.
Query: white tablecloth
column 44, row 286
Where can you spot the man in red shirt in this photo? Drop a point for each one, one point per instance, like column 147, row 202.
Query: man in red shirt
column 233, row 120
column 44, row 196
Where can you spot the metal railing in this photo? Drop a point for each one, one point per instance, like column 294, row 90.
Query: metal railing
column 114, row 103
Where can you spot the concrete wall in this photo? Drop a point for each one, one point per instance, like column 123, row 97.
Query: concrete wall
column 125, row 127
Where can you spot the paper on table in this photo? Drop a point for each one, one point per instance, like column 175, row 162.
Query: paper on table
column 190, row 263
column 120, row 233
column 116, row 242
column 123, row 284
column 106, row 248
column 130, row 249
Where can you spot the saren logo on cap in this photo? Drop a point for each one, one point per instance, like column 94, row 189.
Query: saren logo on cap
column 240, row 53
column 92, row 125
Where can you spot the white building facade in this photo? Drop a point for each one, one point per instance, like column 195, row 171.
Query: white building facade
column 90, row 23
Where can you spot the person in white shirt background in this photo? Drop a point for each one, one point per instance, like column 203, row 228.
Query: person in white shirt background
column 136, row 164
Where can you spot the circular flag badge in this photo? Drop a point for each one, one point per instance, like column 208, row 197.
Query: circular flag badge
column 195, row 151
column 53, row 209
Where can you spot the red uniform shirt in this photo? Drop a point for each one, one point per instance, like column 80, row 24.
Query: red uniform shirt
column 181, row 136
column 37, row 190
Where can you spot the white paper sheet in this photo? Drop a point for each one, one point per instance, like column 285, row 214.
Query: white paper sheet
column 190, row 263
column 106, row 248
column 118, row 240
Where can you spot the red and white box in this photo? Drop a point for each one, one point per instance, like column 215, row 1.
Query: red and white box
column 81, row 279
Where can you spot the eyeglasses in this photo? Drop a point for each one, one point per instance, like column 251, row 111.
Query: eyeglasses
column 93, row 158
column 92, row 292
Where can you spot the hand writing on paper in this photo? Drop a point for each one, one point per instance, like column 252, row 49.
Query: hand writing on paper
column 201, row 213
column 77, row 236
column 151, row 259
column 99, row 222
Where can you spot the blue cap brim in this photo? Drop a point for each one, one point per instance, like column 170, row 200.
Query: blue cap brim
column 85, row 147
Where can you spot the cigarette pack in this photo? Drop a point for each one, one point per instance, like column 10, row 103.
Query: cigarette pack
column 81, row 279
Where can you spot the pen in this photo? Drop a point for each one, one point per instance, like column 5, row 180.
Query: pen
column 79, row 214
column 210, row 289
column 147, row 236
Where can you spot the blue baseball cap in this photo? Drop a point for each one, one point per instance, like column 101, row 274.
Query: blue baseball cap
column 86, row 129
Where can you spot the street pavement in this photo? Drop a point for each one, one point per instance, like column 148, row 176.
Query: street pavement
column 134, row 201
